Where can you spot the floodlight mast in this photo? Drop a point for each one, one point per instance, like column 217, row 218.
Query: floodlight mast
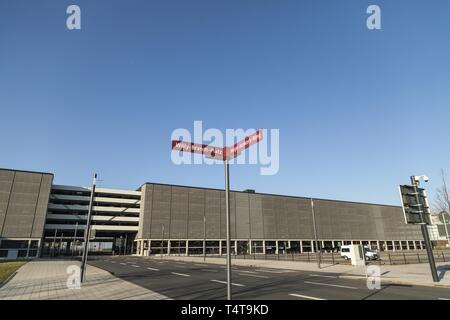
column 415, row 181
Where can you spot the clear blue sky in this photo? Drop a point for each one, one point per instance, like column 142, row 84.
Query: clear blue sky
column 359, row 111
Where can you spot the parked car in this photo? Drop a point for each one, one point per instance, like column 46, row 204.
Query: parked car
column 369, row 253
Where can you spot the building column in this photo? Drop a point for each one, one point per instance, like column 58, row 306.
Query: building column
column 264, row 246
column 187, row 248
column 312, row 246
column 276, row 246
column 250, row 246
column 168, row 247
column 301, row 246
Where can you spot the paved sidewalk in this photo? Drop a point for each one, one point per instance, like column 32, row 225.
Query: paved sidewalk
column 46, row 280
column 413, row 274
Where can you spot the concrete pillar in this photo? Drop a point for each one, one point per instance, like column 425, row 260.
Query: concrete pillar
column 187, row 248
column 276, row 246
column 312, row 246
column 250, row 246
column 168, row 247
column 264, row 246
column 301, row 246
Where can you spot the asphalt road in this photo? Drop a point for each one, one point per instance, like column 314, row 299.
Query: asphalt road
column 203, row 281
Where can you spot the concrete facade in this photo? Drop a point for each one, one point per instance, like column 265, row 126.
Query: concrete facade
column 158, row 218
column 23, row 208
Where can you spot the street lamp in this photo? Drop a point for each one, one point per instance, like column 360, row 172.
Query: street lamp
column 415, row 181
column 443, row 213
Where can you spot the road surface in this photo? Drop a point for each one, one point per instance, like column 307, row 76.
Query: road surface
column 202, row 281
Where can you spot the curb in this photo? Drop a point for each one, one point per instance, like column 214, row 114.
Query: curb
column 396, row 281
column 4, row 283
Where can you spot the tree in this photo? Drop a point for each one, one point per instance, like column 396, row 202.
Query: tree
column 442, row 199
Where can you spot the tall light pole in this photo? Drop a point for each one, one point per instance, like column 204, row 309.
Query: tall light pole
column 204, row 238
column 445, row 225
column 87, row 231
column 227, row 210
column 318, row 253
column 415, row 180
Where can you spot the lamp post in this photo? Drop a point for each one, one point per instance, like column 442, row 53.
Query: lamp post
column 415, row 181
column 87, row 231
column 318, row 250
column 204, row 238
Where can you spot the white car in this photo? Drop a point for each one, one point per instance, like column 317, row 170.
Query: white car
column 369, row 253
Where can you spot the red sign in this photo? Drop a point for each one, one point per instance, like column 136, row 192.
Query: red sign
column 234, row 151
column 216, row 152
column 208, row 151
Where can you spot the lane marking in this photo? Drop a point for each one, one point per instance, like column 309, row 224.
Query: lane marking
column 154, row 269
column 122, row 263
column 133, row 265
column 248, row 271
column 113, row 262
column 200, row 265
column 271, row 271
column 181, row 274
column 252, row 275
column 330, row 285
column 322, row 276
column 233, row 284
column 443, row 299
column 305, row 297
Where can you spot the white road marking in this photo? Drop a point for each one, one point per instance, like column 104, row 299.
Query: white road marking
column 245, row 271
column 443, row 299
column 154, row 269
column 272, row 271
column 200, row 265
column 233, row 284
column 123, row 263
column 305, row 297
column 329, row 285
column 252, row 275
column 322, row 276
column 133, row 265
column 113, row 262
column 181, row 274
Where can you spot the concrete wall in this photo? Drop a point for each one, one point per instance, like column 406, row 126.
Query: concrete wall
column 23, row 203
column 259, row 216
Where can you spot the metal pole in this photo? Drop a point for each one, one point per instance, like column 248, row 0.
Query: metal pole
column 162, row 243
column 75, row 238
column 425, row 234
column 318, row 253
column 60, row 244
column 204, row 238
column 52, row 251
column 87, row 231
column 227, row 209
column 445, row 226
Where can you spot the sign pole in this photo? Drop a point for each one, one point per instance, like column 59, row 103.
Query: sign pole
column 223, row 154
column 227, row 209
column 425, row 234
